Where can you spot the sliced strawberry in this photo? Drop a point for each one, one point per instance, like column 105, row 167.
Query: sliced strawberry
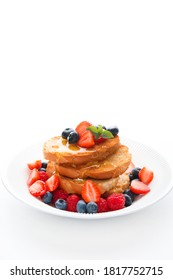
column 33, row 177
column 36, row 164
column 139, row 187
column 38, row 188
column 86, row 140
column 81, row 128
column 129, row 169
column 90, row 192
column 52, row 183
column 146, row 175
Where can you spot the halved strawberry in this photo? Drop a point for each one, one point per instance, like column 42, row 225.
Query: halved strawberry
column 139, row 187
column 52, row 183
column 33, row 176
column 81, row 128
column 36, row 164
column 146, row 175
column 38, row 188
column 129, row 169
column 90, row 192
column 86, row 140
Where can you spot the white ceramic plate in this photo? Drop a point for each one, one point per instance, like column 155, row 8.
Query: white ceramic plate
column 16, row 172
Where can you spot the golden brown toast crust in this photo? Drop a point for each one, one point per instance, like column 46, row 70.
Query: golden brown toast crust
column 58, row 150
column 118, row 184
column 111, row 167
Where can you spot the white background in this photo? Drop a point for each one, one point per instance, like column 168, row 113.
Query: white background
column 108, row 62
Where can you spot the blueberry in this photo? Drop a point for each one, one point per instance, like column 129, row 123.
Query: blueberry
column 44, row 165
column 128, row 200
column 113, row 129
column 131, row 177
column 135, row 172
column 61, row 204
column 92, row 207
column 131, row 194
column 66, row 132
column 42, row 169
column 73, row 137
column 81, row 206
column 47, row 198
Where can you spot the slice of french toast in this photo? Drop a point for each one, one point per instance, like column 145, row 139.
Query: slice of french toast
column 117, row 185
column 60, row 151
column 111, row 167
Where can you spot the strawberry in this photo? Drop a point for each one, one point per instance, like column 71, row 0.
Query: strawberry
column 90, row 192
column 81, row 128
column 33, row 177
column 139, row 187
column 36, row 164
column 38, row 188
column 52, row 183
column 86, row 140
column 130, row 168
column 146, row 175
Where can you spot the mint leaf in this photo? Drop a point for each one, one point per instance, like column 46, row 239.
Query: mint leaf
column 97, row 132
column 107, row 134
column 96, row 135
column 93, row 129
column 100, row 129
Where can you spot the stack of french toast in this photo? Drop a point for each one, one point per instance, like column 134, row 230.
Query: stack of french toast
column 104, row 162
